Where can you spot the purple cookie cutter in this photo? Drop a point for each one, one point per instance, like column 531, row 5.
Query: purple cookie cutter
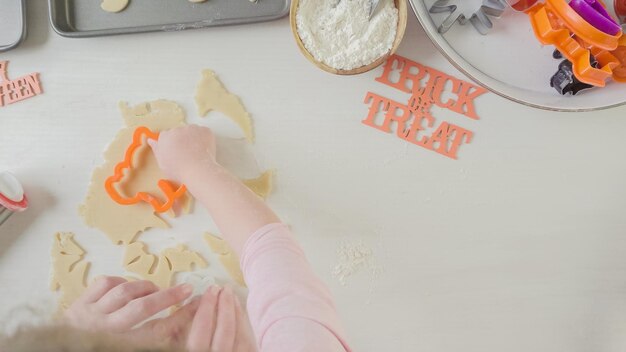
column 596, row 15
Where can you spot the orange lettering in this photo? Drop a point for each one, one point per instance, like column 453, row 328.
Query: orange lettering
column 448, row 138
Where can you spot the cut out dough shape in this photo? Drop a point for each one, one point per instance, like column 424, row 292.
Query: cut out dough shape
column 114, row 5
column 227, row 257
column 119, row 222
column 69, row 270
column 160, row 270
column 212, row 95
column 261, row 185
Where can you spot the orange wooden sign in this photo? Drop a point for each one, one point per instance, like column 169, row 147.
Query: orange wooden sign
column 413, row 121
column 12, row 91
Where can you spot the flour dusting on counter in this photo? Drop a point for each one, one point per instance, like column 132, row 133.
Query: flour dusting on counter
column 354, row 257
column 339, row 33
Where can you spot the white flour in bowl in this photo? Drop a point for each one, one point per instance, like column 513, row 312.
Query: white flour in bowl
column 339, row 34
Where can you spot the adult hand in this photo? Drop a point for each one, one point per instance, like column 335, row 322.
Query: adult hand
column 115, row 305
column 220, row 325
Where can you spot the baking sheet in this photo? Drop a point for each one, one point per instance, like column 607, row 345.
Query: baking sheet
column 81, row 18
column 12, row 23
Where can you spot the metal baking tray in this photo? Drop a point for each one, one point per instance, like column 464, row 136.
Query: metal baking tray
column 85, row 18
column 12, row 23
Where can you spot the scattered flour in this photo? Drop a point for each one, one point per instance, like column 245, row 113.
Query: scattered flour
column 354, row 257
column 339, row 34
column 27, row 314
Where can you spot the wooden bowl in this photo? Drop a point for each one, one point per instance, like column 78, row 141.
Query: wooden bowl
column 402, row 16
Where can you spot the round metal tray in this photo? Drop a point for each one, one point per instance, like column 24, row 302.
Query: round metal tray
column 510, row 62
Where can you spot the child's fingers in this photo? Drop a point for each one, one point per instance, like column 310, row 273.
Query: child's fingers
column 174, row 326
column 172, row 329
column 144, row 307
column 99, row 287
column 122, row 294
column 152, row 143
column 203, row 326
column 226, row 328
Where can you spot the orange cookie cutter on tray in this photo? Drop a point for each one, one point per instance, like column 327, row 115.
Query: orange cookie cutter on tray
column 170, row 191
column 556, row 23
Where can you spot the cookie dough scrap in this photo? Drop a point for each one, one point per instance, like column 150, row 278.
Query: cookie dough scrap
column 119, row 222
column 212, row 95
column 261, row 185
column 227, row 257
column 69, row 269
column 114, row 5
column 161, row 270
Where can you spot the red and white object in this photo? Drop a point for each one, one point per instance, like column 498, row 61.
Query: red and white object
column 12, row 197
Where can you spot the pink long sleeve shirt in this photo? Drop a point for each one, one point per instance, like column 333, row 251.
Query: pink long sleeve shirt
column 290, row 308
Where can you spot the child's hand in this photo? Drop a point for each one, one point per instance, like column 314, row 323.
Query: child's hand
column 220, row 324
column 112, row 304
column 170, row 331
column 179, row 150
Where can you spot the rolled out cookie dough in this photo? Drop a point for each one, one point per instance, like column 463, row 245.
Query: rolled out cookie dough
column 122, row 223
column 227, row 257
column 261, row 185
column 114, row 5
column 69, row 270
column 212, row 95
column 161, row 270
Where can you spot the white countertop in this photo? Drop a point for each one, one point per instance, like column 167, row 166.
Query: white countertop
column 517, row 246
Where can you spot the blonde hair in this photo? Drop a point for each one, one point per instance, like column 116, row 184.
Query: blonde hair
column 61, row 338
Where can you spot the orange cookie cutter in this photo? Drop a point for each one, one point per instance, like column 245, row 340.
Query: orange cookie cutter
column 619, row 73
column 556, row 23
column 620, row 9
column 170, row 191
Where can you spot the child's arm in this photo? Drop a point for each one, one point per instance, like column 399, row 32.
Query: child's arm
column 187, row 155
column 289, row 307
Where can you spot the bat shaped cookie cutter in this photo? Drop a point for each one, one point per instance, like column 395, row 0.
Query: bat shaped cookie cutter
column 12, row 197
column 170, row 191
column 479, row 17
